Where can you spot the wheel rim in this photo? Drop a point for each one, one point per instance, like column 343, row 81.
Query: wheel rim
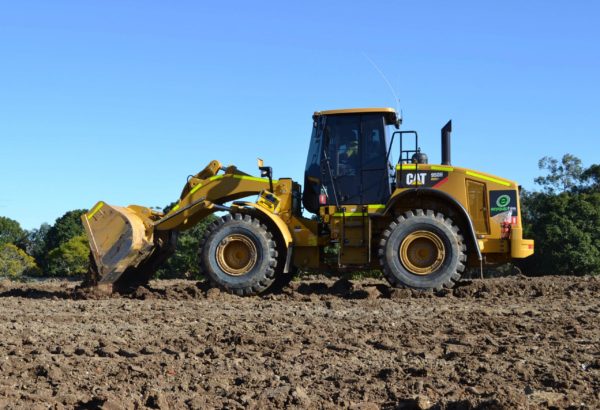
column 422, row 252
column 236, row 255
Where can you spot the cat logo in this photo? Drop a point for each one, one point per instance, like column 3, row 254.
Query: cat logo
column 416, row 178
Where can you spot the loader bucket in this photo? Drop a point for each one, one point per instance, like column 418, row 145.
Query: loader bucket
column 119, row 239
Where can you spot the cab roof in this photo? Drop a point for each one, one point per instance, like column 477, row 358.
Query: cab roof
column 390, row 114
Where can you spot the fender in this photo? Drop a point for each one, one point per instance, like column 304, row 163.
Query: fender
column 278, row 222
column 471, row 237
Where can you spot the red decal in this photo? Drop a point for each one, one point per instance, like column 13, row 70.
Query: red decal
column 443, row 181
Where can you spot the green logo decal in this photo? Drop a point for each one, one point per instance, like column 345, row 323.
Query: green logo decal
column 503, row 201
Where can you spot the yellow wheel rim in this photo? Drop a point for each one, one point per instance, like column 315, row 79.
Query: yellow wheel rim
column 422, row 252
column 236, row 255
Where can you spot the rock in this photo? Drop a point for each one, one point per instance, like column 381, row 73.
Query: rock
column 423, row 402
column 150, row 350
column 213, row 293
column 473, row 390
column 301, row 396
column 136, row 369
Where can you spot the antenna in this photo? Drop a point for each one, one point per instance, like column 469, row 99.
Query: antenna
column 396, row 99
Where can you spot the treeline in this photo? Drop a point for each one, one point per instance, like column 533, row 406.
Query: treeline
column 564, row 219
column 57, row 250
column 563, row 216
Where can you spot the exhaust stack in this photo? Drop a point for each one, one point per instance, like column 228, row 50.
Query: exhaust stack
column 446, row 131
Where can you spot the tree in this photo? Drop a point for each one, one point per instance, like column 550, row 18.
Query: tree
column 36, row 244
column 66, row 227
column 563, row 219
column 70, row 258
column 184, row 262
column 14, row 262
column 562, row 176
column 564, row 227
column 11, row 232
column 591, row 177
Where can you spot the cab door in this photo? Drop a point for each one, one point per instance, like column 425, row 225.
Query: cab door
column 375, row 181
column 355, row 160
column 342, row 137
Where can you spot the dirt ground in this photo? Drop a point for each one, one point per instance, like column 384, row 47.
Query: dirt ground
column 498, row 343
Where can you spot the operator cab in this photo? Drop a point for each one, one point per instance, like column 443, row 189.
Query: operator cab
column 348, row 159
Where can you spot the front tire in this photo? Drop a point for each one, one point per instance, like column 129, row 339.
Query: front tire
column 238, row 255
column 422, row 250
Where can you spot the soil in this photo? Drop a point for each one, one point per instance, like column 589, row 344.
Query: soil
column 498, row 343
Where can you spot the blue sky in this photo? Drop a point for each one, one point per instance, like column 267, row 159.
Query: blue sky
column 121, row 100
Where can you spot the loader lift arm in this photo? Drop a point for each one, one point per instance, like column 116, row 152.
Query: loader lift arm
column 206, row 192
column 128, row 243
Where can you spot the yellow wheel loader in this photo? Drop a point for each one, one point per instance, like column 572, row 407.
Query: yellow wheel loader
column 371, row 195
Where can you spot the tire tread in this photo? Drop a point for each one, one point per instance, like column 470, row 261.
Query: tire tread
column 258, row 284
column 450, row 279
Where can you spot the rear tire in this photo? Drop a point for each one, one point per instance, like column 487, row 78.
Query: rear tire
column 422, row 250
column 238, row 254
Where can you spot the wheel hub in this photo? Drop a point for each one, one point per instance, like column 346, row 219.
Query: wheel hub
column 236, row 255
column 422, row 252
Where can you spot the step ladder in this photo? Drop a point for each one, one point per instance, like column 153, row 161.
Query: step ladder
column 355, row 238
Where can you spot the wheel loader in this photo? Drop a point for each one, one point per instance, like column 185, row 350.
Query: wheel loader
column 370, row 195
